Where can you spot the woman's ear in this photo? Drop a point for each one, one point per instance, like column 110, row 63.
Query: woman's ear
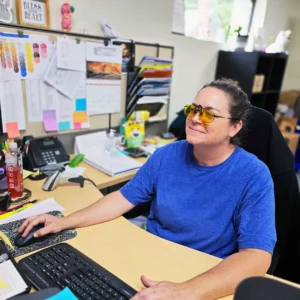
column 235, row 128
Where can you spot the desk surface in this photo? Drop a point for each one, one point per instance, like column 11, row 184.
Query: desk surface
column 123, row 248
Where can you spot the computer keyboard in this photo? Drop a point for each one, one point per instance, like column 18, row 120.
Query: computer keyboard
column 64, row 266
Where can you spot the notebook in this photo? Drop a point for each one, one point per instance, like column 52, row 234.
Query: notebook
column 112, row 163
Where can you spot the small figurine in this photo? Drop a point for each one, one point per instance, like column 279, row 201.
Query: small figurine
column 280, row 44
column 66, row 10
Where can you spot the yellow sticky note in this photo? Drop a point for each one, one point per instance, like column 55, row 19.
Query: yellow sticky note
column 6, row 240
column 80, row 116
column 3, row 284
column 12, row 130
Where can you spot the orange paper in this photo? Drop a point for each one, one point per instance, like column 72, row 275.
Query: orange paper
column 80, row 116
column 12, row 130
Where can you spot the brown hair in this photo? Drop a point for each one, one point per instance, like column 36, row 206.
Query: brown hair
column 239, row 104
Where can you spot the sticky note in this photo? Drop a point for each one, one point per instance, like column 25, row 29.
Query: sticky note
column 49, row 119
column 77, row 125
column 65, row 294
column 80, row 116
column 12, row 130
column 64, row 125
column 80, row 104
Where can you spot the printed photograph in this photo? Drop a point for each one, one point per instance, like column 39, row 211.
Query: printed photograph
column 104, row 71
column 128, row 54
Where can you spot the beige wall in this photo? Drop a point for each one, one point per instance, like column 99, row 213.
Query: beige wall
column 151, row 21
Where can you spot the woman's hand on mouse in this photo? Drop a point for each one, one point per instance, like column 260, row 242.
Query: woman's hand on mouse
column 51, row 225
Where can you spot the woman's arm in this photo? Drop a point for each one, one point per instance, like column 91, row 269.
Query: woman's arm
column 105, row 209
column 217, row 282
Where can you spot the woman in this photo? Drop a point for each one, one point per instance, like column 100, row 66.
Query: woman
column 206, row 193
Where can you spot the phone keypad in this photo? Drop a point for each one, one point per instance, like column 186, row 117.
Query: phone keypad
column 49, row 157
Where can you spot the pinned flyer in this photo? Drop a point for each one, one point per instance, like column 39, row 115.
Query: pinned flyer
column 12, row 129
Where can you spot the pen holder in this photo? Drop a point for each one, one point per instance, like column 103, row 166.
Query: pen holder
column 5, row 200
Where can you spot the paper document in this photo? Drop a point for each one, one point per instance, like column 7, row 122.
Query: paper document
column 11, row 282
column 70, row 54
column 179, row 17
column 65, row 81
column 37, row 209
column 12, row 105
column 93, row 146
column 104, row 71
column 78, row 171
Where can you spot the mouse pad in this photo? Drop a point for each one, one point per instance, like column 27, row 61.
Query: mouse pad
column 10, row 230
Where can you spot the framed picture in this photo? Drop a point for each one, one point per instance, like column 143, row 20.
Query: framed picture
column 33, row 13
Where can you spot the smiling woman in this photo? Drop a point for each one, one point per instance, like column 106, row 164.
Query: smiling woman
column 206, row 193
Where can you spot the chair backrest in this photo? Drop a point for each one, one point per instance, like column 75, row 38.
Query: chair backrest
column 261, row 288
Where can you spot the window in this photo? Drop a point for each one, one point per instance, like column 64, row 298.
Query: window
column 216, row 20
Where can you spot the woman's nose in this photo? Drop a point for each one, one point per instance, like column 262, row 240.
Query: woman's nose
column 196, row 118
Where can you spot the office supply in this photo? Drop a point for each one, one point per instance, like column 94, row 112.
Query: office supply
column 178, row 25
column 104, row 68
column 15, row 211
column 40, row 208
column 12, row 280
column 18, row 206
column 65, row 81
column 30, row 239
column 49, row 119
column 12, row 130
column 44, row 151
column 33, row 123
column 59, row 178
column 75, row 270
column 70, row 54
column 93, row 146
column 4, row 239
column 11, row 96
column 11, row 231
column 5, row 200
column 65, row 294
column 76, row 160
column 136, row 152
column 40, row 295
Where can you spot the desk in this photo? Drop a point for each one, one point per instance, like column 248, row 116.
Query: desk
column 103, row 180
column 123, row 248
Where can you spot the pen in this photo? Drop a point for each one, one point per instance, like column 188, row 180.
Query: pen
column 18, row 206
column 4, row 216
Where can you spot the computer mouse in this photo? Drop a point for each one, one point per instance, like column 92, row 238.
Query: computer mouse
column 21, row 241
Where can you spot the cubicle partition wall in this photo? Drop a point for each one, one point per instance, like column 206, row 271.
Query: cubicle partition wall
column 97, row 122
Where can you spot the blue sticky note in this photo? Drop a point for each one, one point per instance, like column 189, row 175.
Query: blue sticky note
column 80, row 104
column 64, row 125
column 65, row 294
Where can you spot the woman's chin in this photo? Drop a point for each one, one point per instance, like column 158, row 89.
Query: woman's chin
column 195, row 140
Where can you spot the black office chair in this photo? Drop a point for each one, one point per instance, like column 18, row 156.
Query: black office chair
column 261, row 288
column 265, row 140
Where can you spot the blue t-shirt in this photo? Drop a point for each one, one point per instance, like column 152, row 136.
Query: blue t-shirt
column 215, row 209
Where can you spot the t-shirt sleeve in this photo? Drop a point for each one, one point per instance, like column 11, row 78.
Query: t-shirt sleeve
column 142, row 187
column 255, row 217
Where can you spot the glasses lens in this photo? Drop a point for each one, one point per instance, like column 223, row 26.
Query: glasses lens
column 207, row 116
column 189, row 110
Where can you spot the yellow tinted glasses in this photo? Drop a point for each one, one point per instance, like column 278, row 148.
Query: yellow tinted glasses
column 205, row 115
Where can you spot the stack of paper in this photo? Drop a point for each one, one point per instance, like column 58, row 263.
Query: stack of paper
column 152, row 79
column 93, row 146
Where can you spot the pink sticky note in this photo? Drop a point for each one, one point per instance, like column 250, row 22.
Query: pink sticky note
column 12, row 130
column 77, row 125
column 49, row 119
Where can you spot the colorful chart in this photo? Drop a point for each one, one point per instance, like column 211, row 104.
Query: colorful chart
column 23, row 57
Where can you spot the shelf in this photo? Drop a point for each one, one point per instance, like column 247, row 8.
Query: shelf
column 266, row 92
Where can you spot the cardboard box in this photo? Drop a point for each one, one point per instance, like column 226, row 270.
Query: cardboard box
column 290, row 97
column 258, row 83
column 292, row 140
column 288, row 125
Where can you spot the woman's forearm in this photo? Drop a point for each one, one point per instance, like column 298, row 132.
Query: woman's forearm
column 105, row 209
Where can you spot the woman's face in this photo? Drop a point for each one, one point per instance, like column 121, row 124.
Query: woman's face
column 220, row 130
